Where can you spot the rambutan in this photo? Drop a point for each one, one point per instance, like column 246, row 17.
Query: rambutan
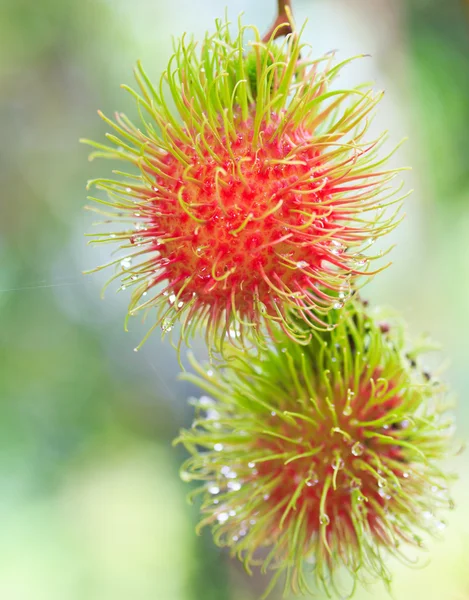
column 255, row 194
column 322, row 458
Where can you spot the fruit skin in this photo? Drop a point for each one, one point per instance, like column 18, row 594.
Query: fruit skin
column 322, row 458
column 255, row 194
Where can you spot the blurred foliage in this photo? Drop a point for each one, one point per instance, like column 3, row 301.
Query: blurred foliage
column 439, row 45
column 91, row 503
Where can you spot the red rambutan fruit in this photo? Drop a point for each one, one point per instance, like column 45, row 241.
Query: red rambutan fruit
column 256, row 193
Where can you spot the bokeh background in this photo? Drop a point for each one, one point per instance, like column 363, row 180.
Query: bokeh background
column 91, row 506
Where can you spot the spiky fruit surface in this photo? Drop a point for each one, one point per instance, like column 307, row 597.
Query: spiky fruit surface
column 257, row 195
column 321, row 457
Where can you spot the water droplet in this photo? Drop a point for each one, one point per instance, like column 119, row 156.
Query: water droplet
column 167, row 325
column 312, row 480
column 218, row 447
column 324, row 519
column 371, row 241
column 213, row 489
column 440, row 525
column 251, row 465
column 338, row 464
column 185, row 476
column 209, row 373
column 337, row 247
column 232, row 513
column 266, row 496
column 357, row 449
column 273, row 413
column 338, row 305
column 126, row 262
column 382, row 483
column 172, row 299
column 405, row 475
column 128, row 190
column 235, row 486
column 135, row 349
column 206, row 401
column 222, row 517
column 302, row 264
column 383, row 494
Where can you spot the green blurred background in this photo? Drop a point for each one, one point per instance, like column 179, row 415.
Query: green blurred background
column 91, row 506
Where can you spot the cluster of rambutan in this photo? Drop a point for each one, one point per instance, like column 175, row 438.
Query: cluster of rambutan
column 255, row 198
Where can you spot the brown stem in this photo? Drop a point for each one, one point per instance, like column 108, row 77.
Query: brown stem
column 282, row 24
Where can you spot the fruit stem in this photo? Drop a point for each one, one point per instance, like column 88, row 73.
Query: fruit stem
column 283, row 23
